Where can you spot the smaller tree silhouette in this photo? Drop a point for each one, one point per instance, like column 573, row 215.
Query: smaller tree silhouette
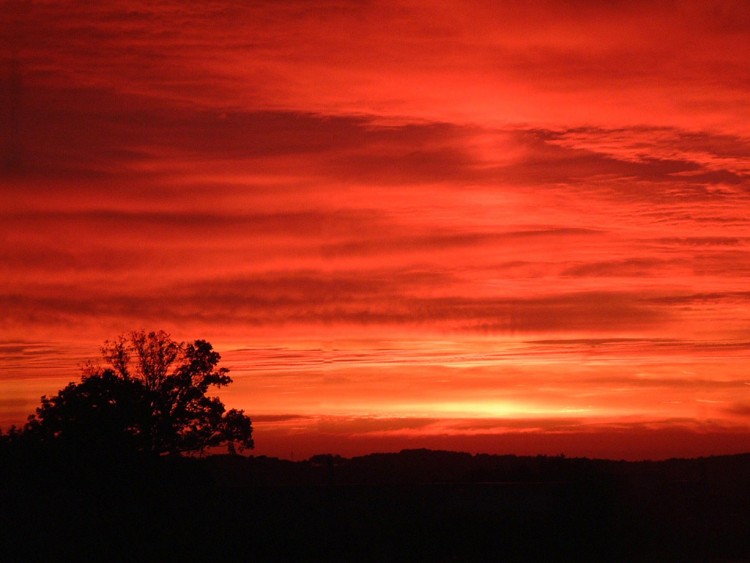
column 151, row 398
column 101, row 413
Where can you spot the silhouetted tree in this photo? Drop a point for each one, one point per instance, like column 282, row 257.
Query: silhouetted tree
column 150, row 398
column 102, row 412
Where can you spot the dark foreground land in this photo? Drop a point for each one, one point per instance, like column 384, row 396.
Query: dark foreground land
column 417, row 505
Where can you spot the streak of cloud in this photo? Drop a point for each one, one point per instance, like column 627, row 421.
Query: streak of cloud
column 396, row 214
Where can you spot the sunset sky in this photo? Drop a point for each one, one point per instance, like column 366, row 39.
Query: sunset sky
column 508, row 227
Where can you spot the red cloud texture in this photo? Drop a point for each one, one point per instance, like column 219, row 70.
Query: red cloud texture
column 424, row 210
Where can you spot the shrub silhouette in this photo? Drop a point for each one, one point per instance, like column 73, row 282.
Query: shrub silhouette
column 150, row 398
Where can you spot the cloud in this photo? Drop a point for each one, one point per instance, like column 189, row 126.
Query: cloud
column 360, row 298
column 523, row 62
column 273, row 418
column 656, row 345
column 401, row 240
column 711, row 150
column 627, row 155
column 630, row 267
column 367, row 425
column 698, row 298
column 96, row 133
column 740, row 409
column 445, row 184
column 704, row 241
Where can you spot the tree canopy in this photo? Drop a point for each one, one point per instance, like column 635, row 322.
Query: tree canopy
column 149, row 397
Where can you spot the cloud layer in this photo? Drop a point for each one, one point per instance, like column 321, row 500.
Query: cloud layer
column 412, row 210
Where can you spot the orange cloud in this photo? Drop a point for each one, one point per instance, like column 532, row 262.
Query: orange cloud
column 396, row 214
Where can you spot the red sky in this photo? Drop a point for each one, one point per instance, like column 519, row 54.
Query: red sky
column 517, row 228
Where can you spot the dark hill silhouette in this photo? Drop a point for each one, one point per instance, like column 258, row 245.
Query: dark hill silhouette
column 416, row 505
column 438, row 505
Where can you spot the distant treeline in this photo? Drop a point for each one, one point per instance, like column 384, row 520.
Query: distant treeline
column 416, row 505
column 415, row 466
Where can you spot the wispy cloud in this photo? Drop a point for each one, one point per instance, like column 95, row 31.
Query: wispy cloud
column 423, row 206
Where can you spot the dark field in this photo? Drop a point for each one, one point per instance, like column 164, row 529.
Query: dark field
column 414, row 506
